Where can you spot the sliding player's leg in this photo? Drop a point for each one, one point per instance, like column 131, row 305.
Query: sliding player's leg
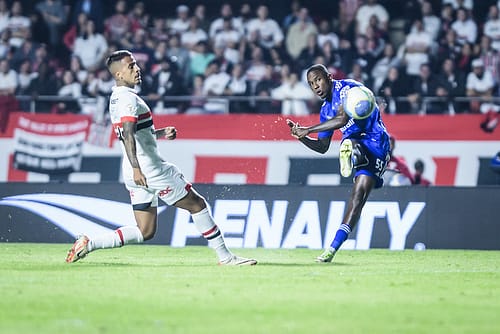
column 144, row 203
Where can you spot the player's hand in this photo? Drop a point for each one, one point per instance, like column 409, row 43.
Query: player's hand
column 170, row 132
column 139, row 178
column 296, row 130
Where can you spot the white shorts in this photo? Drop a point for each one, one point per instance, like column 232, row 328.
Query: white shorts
column 170, row 186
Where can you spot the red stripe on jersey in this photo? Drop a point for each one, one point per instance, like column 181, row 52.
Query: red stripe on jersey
column 120, row 234
column 128, row 119
column 188, row 187
column 212, row 230
column 145, row 115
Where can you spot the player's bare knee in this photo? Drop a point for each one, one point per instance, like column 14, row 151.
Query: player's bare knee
column 147, row 232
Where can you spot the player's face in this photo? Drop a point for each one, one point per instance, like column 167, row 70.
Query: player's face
column 130, row 72
column 320, row 83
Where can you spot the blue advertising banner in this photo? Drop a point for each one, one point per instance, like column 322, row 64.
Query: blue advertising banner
column 261, row 216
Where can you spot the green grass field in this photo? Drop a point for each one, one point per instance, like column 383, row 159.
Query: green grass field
column 158, row 289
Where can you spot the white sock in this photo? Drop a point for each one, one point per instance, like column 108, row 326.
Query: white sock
column 204, row 222
column 120, row 237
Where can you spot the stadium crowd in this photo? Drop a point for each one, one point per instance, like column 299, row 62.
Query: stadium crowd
column 417, row 62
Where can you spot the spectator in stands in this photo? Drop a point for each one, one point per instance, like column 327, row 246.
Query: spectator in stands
column 72, row 90
column 361, row 55
column 292, row 16
column 455, row 85
column 54, row 16
column 397, row 172
column 299, row 35
column 468, row 5
column 44, row 84
column 369, row 8
column 309, row 52
column 374, row 43
column 381, row 68
column 227, row 35
column 200, row 13
column 431, row 22
column 181, row 56
column 24, row 78
column 159, row 31
column 347, row 12
column 5, row 48
column 193, row 34
column 118, row 25
column 101, row 84
column 92, row 9
column 91, row 48
column 427, row 85
column 19, row 25
column 166, row 82
column 465, row 27
column 27, row 51
column 237, row 87
column 80, row 73
column 181, row 22
column 279, row 58
column 480, row 84
column 200, row 57
column 417, row 47
column 8, row 79
column 255, row 68
column 491, row 27
column 448, row 47
column 264, row 30
column 357, row 73
column 197, row 102
column 244, row 18
column 226, row 12
column 418, row 176
column 395, row 86
column 4, row 15
column 76, row 30
column 263, row 89
column 141, row 49
column 294, row 96
column 447, row 18
column 491, row 60
column 138, row 17
column 41, row 56
column 464, row 59
column 214, row 86
column 326, row 34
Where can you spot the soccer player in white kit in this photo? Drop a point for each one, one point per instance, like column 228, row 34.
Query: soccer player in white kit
column 146, row 175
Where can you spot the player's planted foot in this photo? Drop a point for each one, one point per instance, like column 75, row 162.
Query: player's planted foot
column 238, row 261
column 326, row 256
column 346, row 158
column 79, row 249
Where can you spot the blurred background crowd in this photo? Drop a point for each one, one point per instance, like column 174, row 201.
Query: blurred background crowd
column 418, row 56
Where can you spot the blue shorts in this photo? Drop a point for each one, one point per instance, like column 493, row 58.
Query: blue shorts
column 377, row 153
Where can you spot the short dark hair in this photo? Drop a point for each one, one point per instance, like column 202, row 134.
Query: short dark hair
column 318, row 67
column 117, row 56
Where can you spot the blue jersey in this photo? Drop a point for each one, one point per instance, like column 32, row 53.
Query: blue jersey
column 370, row 132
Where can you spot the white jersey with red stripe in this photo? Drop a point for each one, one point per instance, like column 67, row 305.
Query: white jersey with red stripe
column 126, row 106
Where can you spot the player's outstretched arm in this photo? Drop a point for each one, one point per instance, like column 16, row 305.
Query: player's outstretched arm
column 300, row 132
column 168, row 132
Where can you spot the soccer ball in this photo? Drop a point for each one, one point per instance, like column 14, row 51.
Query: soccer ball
column 359, row 102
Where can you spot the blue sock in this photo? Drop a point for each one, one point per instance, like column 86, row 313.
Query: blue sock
column 340, row 236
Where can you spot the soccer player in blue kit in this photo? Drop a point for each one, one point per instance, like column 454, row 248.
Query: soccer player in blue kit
column 364, row 146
